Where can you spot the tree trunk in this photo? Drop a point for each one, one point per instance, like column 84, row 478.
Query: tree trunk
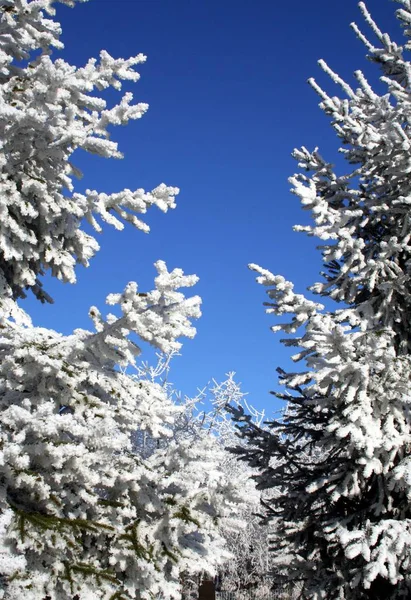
column 206, row 591
column 381, row 589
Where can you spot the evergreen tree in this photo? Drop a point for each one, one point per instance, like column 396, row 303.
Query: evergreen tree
column 83, row 516
column 338, row 464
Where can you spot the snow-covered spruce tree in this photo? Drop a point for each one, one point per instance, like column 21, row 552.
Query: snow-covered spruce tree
column 82, row 516
column 340, row 460
column 81, row 512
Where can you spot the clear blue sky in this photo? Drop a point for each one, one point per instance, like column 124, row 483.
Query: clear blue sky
column 226, row 84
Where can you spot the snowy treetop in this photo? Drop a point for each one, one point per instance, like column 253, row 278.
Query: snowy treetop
column 49, row 109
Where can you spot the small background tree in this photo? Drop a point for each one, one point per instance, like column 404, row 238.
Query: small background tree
column 247, row 572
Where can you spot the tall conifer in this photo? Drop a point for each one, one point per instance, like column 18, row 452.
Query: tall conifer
column 340, row 460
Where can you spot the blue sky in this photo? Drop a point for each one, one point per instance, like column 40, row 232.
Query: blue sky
column 226, row 84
